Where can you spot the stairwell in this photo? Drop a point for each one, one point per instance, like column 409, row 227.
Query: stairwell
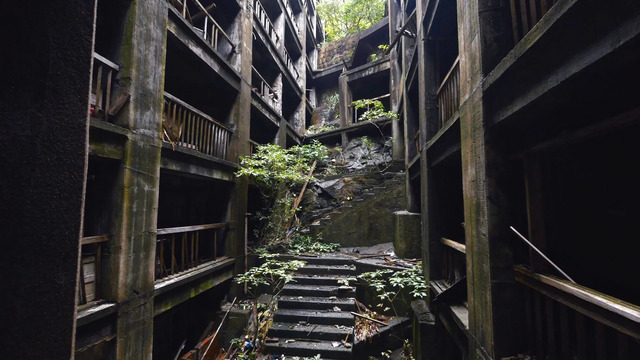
column 314, row 312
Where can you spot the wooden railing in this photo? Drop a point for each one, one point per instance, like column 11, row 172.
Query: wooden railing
column 262, row 88
column 454, row 261
column 182, row 248
column 290, row 65
column 104, row 72
column 449, row 94
column 204, row 23
column 287, row 6
column 525, row 14
column 568, row 321
column 90, row 268
column 266, row 23
column 188, row 127
column 252, row 146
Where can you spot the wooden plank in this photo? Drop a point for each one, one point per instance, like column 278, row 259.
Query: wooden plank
column 94, row 239
column 600, row 341
column 106, row 61
column 623, row 346
column 181, row 229
column 454, row 245
column 615, row 313
column 529, row 319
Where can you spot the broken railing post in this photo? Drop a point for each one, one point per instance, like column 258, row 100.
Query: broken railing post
column 541, row 254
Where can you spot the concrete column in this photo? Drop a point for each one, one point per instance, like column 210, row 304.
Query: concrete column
column 241, row 119
column 491, row 289
column 346, row 112
column 130, row 257
column 45, row 71
column 395, row 79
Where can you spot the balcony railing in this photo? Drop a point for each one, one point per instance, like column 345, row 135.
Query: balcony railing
column 182, row 248
column 204, row 23
column 104, row 72
column 290, row 65
column 188, row 127
column 525, row 14
column 568, row 321
column 262, row 88
column 90, row 276
column 265, row 22
column 454, row 261
column 449, row 94
column 287, row 6
column 253, row 145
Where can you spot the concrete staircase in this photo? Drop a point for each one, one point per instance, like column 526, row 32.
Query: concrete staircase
column 314, row 313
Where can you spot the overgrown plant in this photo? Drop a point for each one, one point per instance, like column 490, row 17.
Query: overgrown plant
column 375, row 110
column 279, row 174
column 393, row 286
column 273, row 274
column 306, row 244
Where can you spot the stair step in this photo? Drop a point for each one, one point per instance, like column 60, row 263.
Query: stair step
column 328, row 269
column 321, row 279
column 318, row 290
column 320, row 260
column 308, row 349
column 318, row 303
column 314, row 317
column 310, row 331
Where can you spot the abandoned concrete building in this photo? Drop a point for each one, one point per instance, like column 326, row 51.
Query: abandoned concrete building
column 125, row 224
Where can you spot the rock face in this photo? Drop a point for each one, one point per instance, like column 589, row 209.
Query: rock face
column 356, row 209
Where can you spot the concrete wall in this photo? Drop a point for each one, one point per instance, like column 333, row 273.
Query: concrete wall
column 45, row 69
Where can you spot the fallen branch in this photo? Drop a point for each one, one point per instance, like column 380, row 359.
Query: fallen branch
column 218, row 330
column 368, row 318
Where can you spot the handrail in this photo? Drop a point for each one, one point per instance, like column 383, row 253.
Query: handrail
column 186, row 126
column 102, row 101
column 99, row 240
column 446, row 77
column 525, row 14
column 289, row 62
column 94, row 239
column 449, row 93
column 265, row 90
column 265, row 21
column 584, row 299
column 454, row 245
column 183, row 248
column 180, row 229
column 217, row 29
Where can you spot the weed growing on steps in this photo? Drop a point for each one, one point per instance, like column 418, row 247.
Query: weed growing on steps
column 306, row 244
column 392, row 287
column 274, row 275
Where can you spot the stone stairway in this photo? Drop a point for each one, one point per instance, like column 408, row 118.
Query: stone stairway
column 314, row 312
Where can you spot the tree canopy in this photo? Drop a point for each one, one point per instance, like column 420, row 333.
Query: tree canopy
column 346, row 17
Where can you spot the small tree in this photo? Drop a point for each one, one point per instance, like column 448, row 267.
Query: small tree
column 278, row 173
column 345, row 17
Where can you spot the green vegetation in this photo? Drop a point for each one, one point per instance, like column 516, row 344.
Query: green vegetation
column 345, row 17
column 392, row 287
column 305, row 244
column 279, row 174
column 375, row 110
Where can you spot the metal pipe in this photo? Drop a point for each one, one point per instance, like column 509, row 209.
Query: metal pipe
column 541, row 254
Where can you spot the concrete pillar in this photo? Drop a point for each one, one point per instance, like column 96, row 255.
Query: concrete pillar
column 130, row 257
column 406, row 234
column 491, row 289
column 45, row 71
column 395, row 79
column 241, row 119
column 346, row 112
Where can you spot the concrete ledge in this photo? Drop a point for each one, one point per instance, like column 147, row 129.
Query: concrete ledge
column 92, row 312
